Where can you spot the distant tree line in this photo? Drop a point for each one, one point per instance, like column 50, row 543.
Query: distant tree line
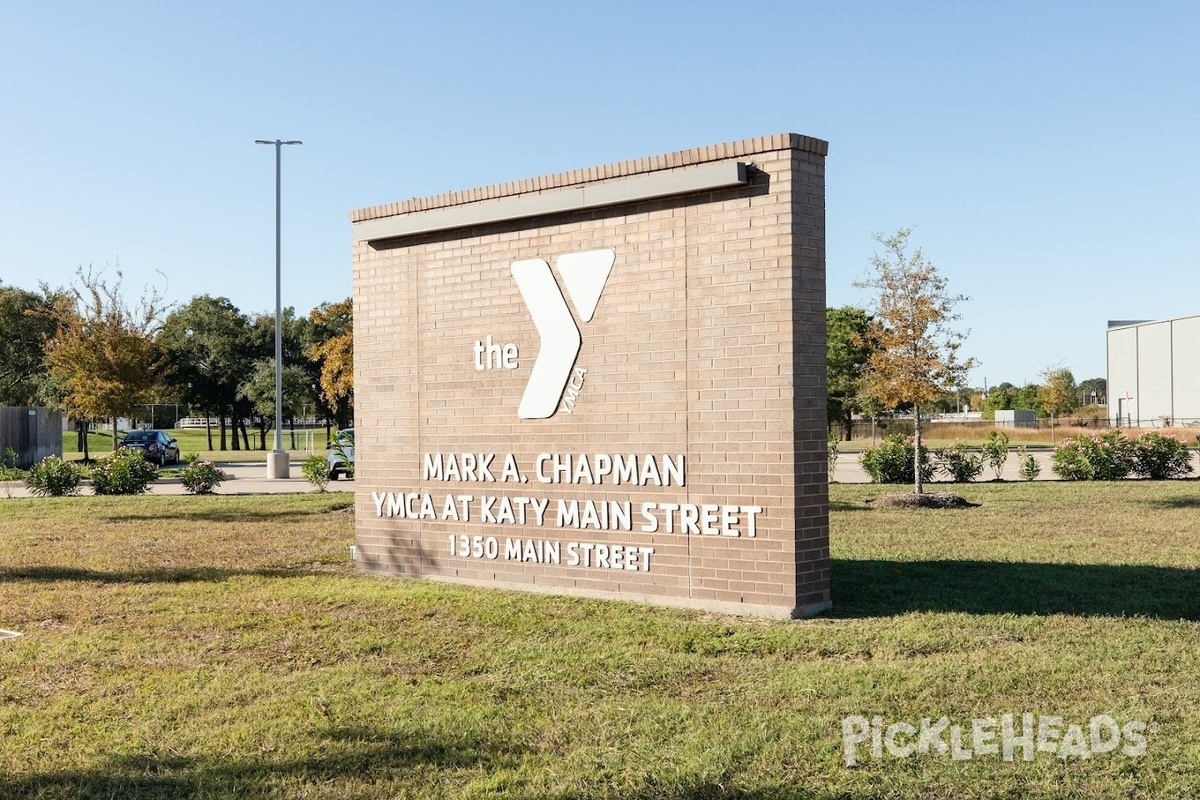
column 97, row 355
column 902, row 354
column 851, row 339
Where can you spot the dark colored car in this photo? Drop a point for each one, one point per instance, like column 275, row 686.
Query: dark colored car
column 157, row 446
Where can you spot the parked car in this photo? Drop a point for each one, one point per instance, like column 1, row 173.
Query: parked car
column 156, row 446
column 341, row 451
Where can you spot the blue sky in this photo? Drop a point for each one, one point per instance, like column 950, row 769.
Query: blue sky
column 1047, row 153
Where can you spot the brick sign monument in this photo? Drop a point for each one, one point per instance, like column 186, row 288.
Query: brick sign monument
column 607, row 382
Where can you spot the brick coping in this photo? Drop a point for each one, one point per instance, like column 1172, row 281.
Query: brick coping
column 621, row 169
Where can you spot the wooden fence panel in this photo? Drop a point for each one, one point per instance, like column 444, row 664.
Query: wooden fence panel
column 33, row 433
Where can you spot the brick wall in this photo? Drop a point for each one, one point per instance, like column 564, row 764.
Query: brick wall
column 707, row 345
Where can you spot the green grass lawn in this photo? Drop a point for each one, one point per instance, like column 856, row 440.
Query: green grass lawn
column 223, row 647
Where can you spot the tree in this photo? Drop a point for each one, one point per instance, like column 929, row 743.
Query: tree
column 1059, row 395
column 259, row 390
column 1006, row 396
column 27, row 324
column 848, row 347
column 1093, row 391
column 333, row 353
column 917, row 359
column 207, row 342
column 261, row 337
column 103, row 355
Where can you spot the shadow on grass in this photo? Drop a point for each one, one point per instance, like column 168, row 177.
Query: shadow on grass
column 189, row 575
column 235, row 515
column 365, row 755
column 1180, row 502
column 886, row 588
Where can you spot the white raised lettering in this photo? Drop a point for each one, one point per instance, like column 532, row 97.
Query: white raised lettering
column 395, row 505
column 568, row 513
column 645, row 553
column 590, row 518
column 485, row 463
column 427, row 507
column 619, row 518
column 673, row 469
column 651, row 524
column 650, row 472
column 510, row 471
column 688, row 514
column 505, row 514
column 539, row 508
column 625, row 469
column 751, row 513
column 431, row 467
column 583, row 471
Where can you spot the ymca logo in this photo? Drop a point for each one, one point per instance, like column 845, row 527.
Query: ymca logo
column 584, row 275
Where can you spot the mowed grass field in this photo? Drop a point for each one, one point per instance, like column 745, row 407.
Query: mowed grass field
column 211, row 647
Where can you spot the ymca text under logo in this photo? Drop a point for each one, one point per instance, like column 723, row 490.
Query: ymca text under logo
column 584, row 276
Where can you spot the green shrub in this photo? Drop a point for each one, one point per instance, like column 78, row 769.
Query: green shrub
column 831, row 453
column 53, row 477
column 892, row 461
column 124, row 472
column 1161, row 457
column 201, row 477
column 339, row 444
column 959, row 463
column 8, row 467
column 316, row 471
column 1027, row 466
column 1107, row 457
column 995, row 452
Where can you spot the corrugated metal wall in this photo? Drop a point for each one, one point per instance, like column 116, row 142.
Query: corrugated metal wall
column 33, row 433
column 1154, row 373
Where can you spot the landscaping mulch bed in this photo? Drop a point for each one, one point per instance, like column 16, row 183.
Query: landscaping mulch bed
column 924, row 500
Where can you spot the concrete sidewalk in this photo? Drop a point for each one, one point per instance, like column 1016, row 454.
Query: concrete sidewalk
column 245, row 477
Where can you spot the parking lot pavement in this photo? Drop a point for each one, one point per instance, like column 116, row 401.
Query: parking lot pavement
column 244, row 478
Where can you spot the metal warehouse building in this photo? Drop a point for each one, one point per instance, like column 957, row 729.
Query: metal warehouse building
column 1154, row 372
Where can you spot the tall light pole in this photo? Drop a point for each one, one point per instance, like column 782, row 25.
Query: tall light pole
column 277, row 459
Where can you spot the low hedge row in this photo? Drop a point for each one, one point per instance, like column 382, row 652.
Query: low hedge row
column 124, row 472
column 1108, row 456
